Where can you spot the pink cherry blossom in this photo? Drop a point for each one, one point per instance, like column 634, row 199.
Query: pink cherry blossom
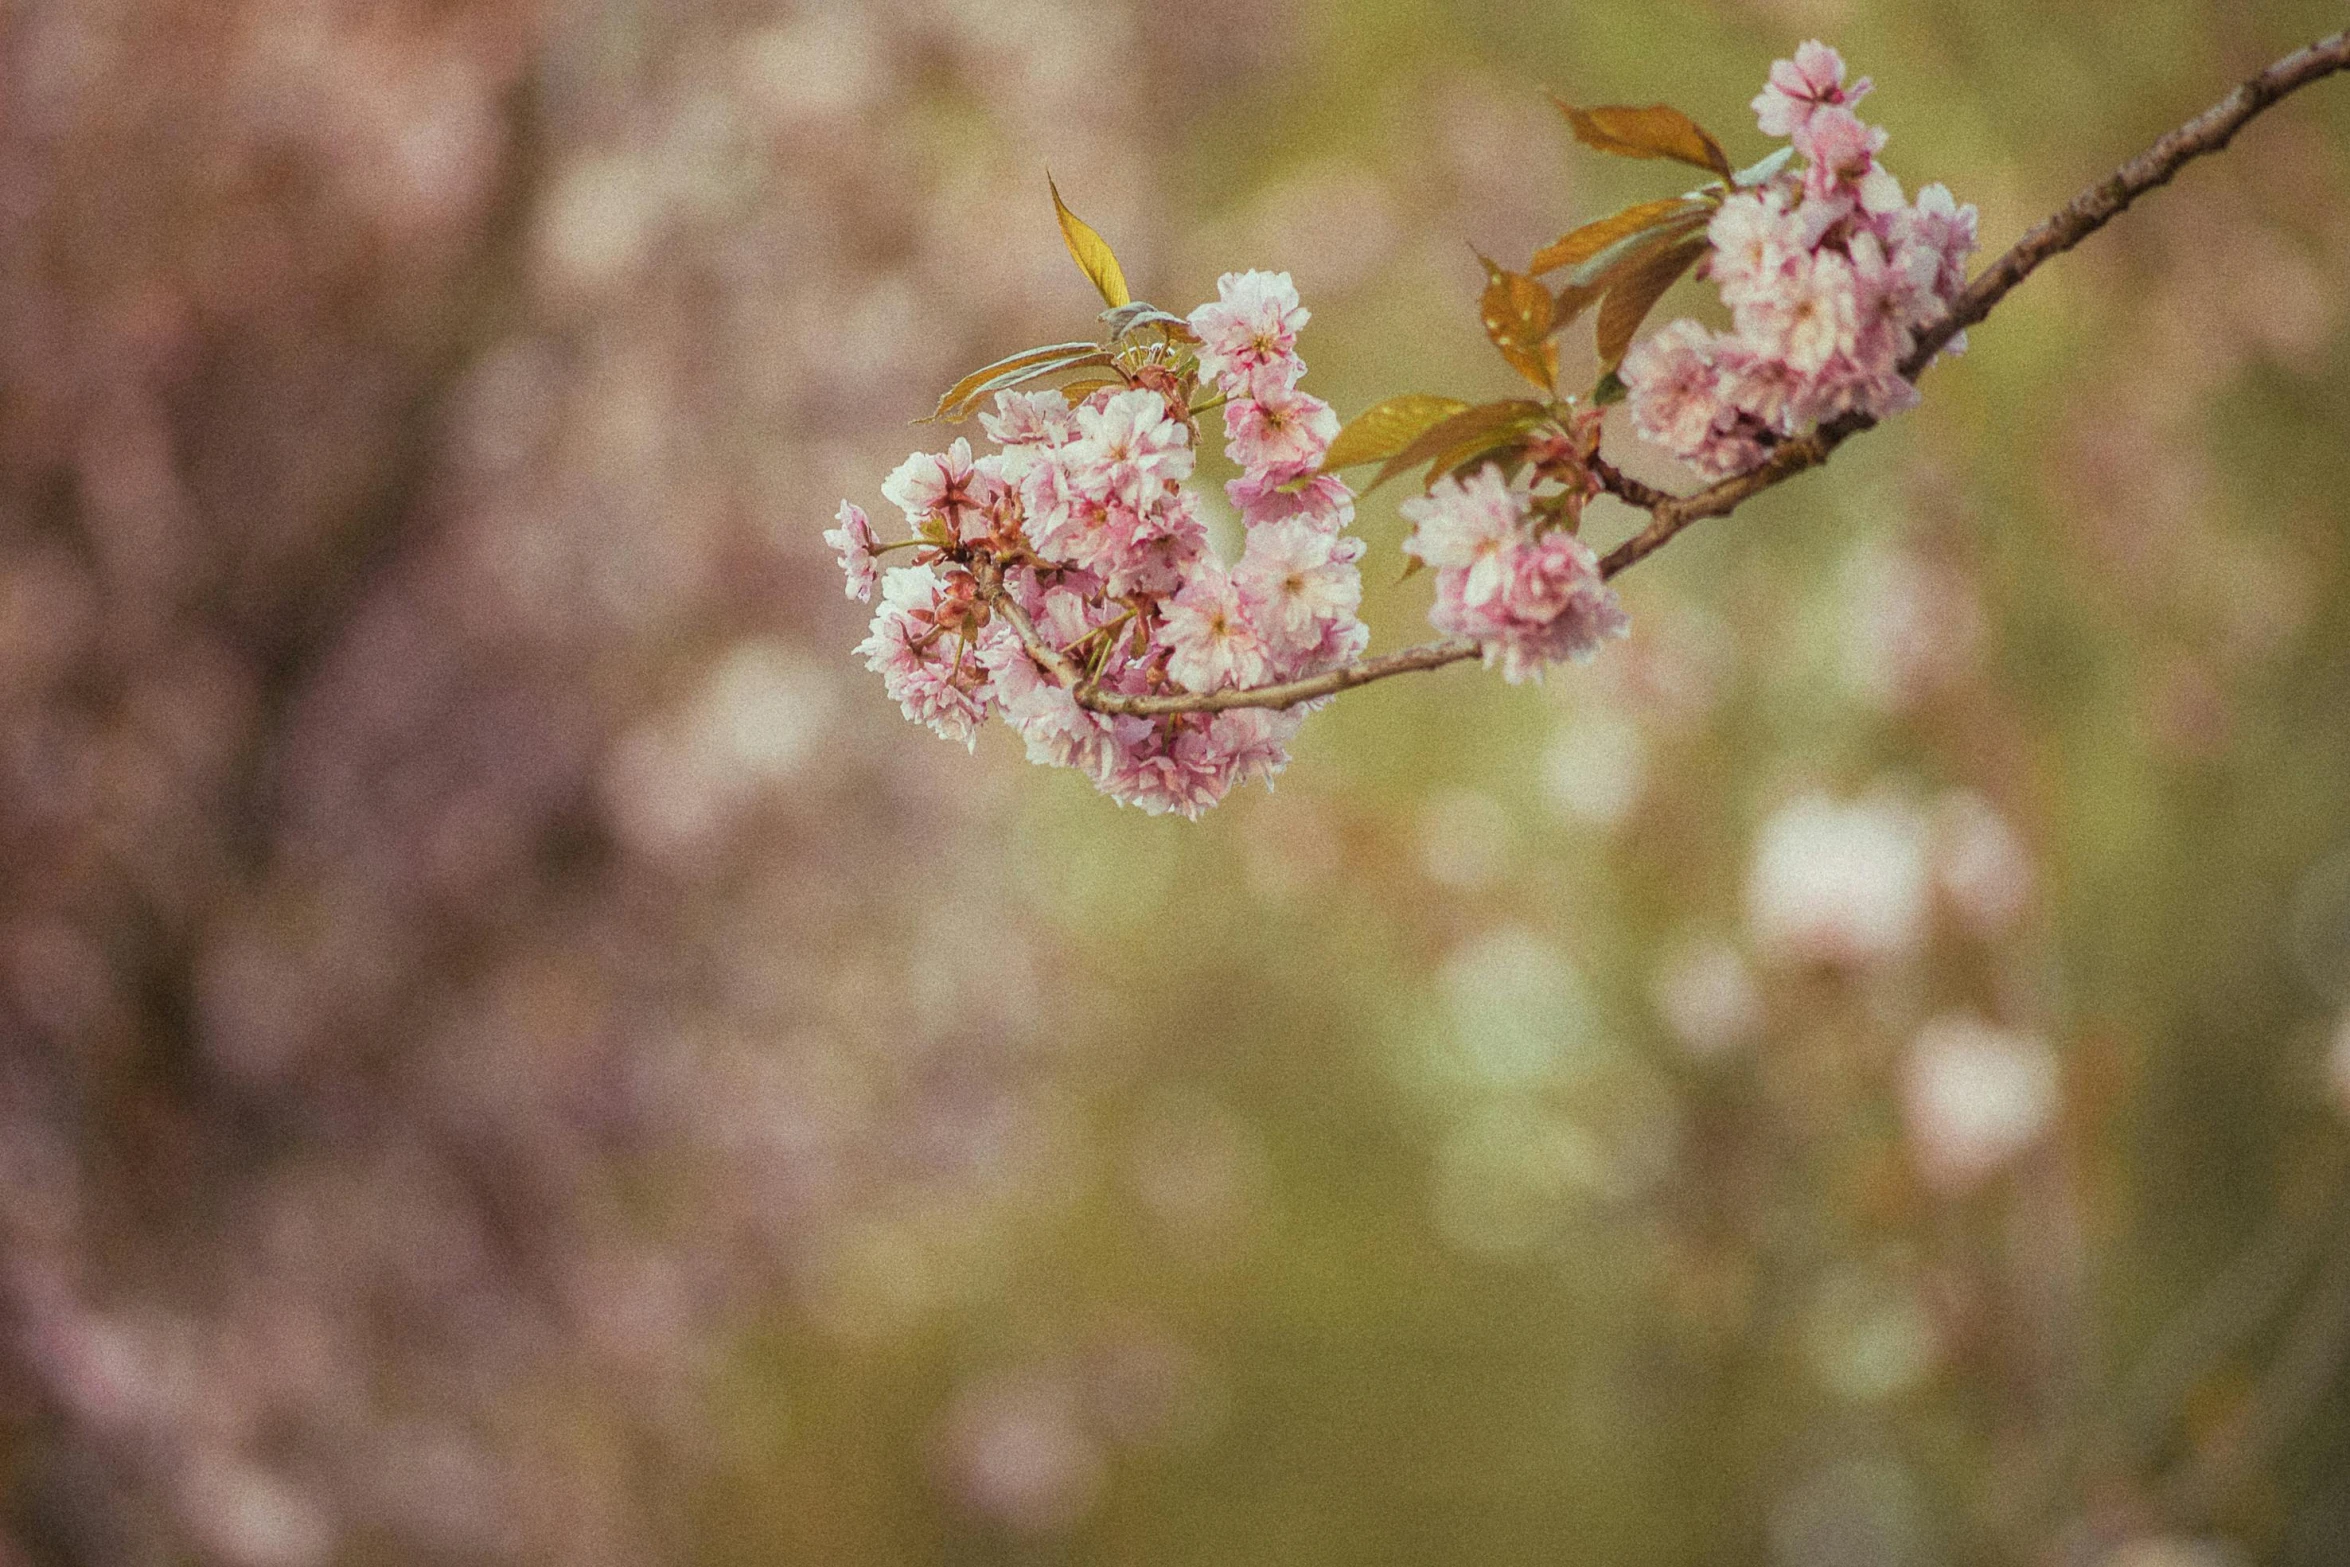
column 1801, row 86
column 1189, row 767
column 1056, row 731
column 1030, row 419
column 1468, row 526
column 1277, row 427
column 1762, row 395
column 1082, row 521
column 1531, row 601
column 1676, row 386
column 855, row 542
column 1811, row 320
column 943, row 487
column 1251, row 327
column 1207, row 634
column 1552, row 606
column 1841, row 152
column 1829, row 275
column 1301, row 589
column 1271, row 495
column 1943, row 228
column 1974, row 1097
column 1128, row 450
column 1893, row 295
column 927, row 662
column 1755, row 239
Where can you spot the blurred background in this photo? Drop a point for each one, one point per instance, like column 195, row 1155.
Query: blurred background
column 511, row 1051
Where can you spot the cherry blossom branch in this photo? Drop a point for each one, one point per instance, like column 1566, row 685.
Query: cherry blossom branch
column 1624, row 487
column 2088, row 212
column 1054, row 661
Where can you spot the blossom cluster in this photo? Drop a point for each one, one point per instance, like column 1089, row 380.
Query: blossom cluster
column 1079, row 533
column 1829, row 275
column 1510, row 574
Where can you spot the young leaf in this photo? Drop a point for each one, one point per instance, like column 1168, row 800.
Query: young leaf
column 1091, row 252
column 1383, row 429
column 1632, row 296
column 1573, row 301
column 1473, row 454
column 1006, row 373
column 1122, row 319
column 1760, row 173
column 1085, row 386
column 1517, row 312
column 1658, row 131
column 1592, row 238
column 1611, row 389
column 1595, row 272
column 1486, row 420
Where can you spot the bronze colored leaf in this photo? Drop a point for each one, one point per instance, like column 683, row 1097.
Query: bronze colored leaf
column 1635, row 293
column 1573, row 301
column 1009, row 372
column 1091, row 252
column 1595, row 272
column 1517, row 312
column 1539, row 365
column 1383, row 429
column 1079, row 390
column 1484, row 420
column 1657, row 131
column 1592, row 238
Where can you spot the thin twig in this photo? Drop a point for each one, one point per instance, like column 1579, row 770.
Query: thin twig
column 2088, row 212
column 1056, row 663
column 1361, row 672
column 2099, row 205
column 1626, row 488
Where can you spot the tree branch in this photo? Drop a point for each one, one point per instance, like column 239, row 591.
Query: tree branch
column 2088, row 212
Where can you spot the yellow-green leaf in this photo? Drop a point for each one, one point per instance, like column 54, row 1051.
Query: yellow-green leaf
column 1635, row 293
column 1657, row 131
column 1010, row 371
column 1091, row 252
column 1383, row 429
column 1470, row 424
column 1592, row 238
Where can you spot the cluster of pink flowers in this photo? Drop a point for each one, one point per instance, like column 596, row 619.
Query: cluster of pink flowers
column 1829, row 275
column 1531, row 595
column 1081, row 521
